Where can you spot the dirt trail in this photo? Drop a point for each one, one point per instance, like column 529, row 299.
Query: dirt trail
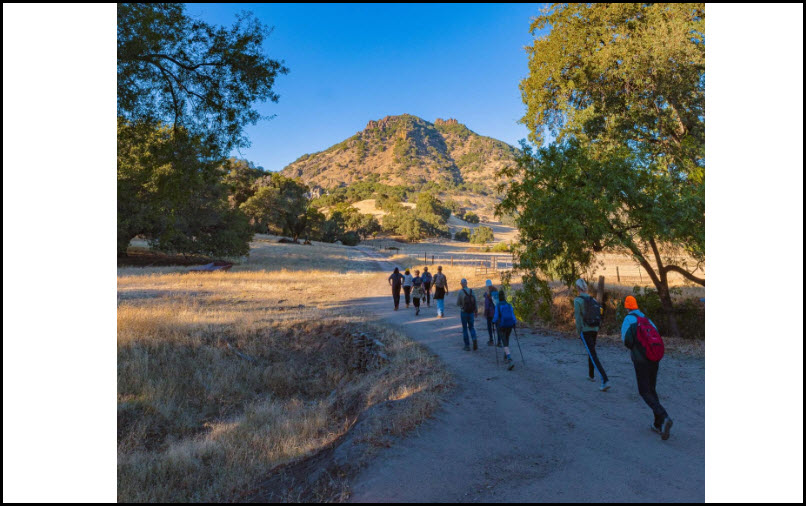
column 542, row 432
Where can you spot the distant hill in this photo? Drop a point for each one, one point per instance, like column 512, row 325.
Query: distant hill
column 407, row 150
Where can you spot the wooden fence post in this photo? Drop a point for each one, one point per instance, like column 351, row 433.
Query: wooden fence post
column 600, row 291
column 451, row 260
column 618, row 277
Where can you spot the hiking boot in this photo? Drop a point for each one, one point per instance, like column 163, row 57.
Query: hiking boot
column 466, row 348
column 490, row 343
column 407, row 305
column 656, row 429
column 605, row 386
column 667, row 426
column 591, row 378
column 417, row 312
column 475, row 345
column 500, row 345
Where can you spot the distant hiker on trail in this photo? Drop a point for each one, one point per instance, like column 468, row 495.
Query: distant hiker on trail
column 440, row 291
column 640, row 335
column 396, row 281
column 505, row 320
column 588, row 316
column 427, row 279
column 407, row 279
column 468, row 310
column 490, row 302
column 416, row 291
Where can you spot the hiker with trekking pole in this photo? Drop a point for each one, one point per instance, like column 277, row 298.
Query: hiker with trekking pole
column 588, row 317
column 641, row 336
column 505, row 321
column 490, row 301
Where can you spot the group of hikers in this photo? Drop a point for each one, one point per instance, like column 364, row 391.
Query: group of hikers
column 638, row 333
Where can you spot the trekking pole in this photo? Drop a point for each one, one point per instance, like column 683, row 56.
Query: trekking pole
column 519, row 343
column 495, row 345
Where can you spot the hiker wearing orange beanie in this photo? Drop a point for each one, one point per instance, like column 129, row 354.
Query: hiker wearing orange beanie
column 640, row 335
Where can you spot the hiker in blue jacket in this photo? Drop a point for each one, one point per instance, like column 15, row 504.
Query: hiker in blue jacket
column 646, row 370
column 504, row 318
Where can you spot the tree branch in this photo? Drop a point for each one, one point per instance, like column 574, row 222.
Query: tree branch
column 685, row 274
column 186, row 66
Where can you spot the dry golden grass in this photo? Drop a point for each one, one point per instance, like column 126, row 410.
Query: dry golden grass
column 223, row 376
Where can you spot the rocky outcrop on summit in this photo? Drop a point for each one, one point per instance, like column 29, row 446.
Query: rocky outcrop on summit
column 407, row 150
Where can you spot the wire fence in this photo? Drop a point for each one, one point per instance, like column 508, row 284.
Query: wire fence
column 483, row 263
column 622, row 273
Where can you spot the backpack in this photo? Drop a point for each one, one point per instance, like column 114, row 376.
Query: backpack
column 417, row 291
column 650, row 339
column 427, row 277
column 439, row 280
column 469, row 302
column 507, row 314
column 592, row 312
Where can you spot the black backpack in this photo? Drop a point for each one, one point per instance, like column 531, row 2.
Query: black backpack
column 592, row 312
column 469, row 303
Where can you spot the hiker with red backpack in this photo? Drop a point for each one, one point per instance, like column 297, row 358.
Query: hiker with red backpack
column 588, row 316
column 641, row 336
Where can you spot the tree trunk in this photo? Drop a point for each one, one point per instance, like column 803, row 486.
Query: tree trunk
column 662, row 285
column 668, row 308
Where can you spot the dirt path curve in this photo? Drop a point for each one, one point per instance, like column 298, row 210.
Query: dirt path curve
column 541, row 432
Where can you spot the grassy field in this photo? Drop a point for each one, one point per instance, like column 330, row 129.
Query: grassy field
column 224, row 376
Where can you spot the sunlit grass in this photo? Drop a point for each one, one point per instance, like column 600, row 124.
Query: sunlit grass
column 223, row 376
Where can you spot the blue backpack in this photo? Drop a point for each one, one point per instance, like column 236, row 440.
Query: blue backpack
column 507, row 314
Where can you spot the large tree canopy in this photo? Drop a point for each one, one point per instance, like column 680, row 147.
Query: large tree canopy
column 615, row 75
column 620, row 88
column 169, row 195
column 184, row 72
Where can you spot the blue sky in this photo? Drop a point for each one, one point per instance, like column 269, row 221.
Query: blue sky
column 352, row 63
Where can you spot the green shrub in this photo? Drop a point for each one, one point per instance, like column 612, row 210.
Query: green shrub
column 482, row 235
column 471, row 217
column 501, row 247
column 533, row 301
column 462, row 235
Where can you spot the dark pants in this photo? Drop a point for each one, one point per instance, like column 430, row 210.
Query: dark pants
column 503, row 335
column 427, row 289
column 416, row 301
column 589, row 339
column 407, row 290
column 646, row 374
column 396, row 295
column 490, row 327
